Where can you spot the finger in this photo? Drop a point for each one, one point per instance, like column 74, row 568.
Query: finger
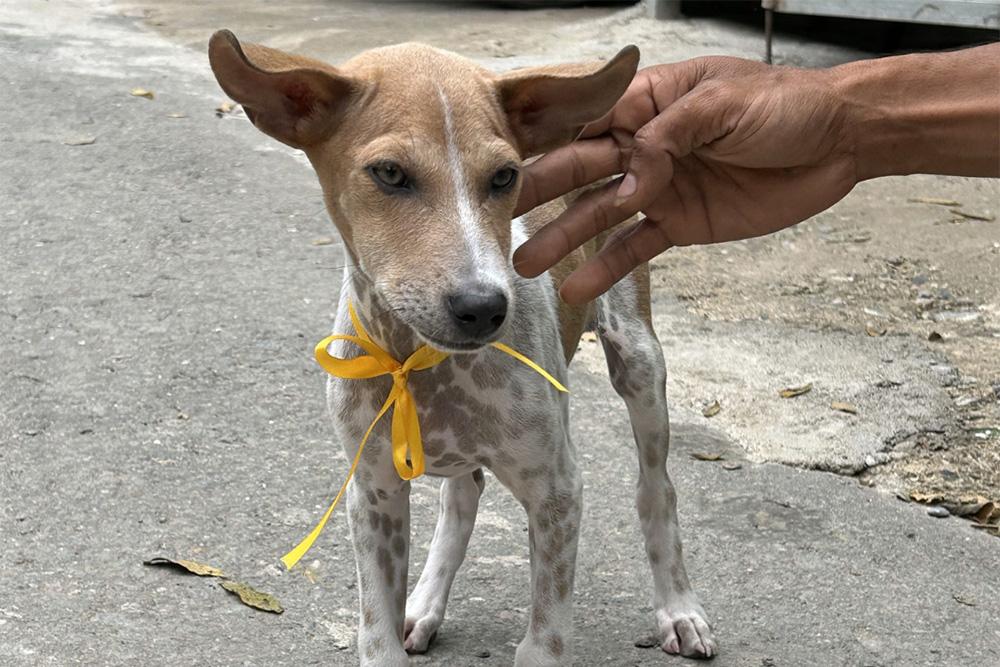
column 652, row 90
column 589, row 215
column 698, row 118
column 636, row 245
column 566, row 169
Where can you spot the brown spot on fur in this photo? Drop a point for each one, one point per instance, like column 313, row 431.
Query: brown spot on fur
column 555, row 645
column 385, row 564
column 398, row 546
column 489, row 376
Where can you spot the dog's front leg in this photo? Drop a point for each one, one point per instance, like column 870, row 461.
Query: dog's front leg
column 553, row 498
column 380, row 530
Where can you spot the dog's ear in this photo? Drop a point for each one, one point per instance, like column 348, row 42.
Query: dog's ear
column 548, row 106
column 296, row 100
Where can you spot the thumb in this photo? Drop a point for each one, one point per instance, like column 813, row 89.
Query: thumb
column 697, row 118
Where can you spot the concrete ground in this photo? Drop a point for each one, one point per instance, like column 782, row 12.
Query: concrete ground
column 161, row 288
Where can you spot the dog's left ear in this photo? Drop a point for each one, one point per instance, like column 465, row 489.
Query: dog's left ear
column 547, row 107
column 297, row 100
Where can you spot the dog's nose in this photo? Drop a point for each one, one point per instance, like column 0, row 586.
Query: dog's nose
column 478, row 313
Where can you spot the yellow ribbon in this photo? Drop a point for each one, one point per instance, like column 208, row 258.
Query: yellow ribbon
column 407, row 448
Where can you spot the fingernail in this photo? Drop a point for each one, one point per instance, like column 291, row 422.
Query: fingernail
column 627, row 188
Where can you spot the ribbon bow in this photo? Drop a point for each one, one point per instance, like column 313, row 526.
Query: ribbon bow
column 407, row 448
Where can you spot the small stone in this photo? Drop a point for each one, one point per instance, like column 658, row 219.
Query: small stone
column 731, row 465
column 80, row 140
column 482, row 654
column 646, row 642
column 938, row 512
column 919, row 279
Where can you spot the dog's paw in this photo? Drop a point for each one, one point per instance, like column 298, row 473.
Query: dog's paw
column 419, row 633
column 684, row 631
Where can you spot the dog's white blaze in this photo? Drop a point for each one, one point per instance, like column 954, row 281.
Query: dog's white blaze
column 486, row 259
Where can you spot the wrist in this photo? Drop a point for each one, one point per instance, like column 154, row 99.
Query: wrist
column 927, row 113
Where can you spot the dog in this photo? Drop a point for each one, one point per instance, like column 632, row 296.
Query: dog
column 418, row 153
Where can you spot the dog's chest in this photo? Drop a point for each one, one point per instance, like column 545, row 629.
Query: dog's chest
column 474, row 410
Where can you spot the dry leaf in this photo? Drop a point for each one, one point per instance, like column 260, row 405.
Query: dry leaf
column 935, row 337
column 792, row 392
column 323, row 240
column 191, row 566
column 706, row 457
column 933, row 200
column 972, row 216
column 875, row 330
column 142, row 92
column 711, row 410
column 588, row 337
column 967, row 601
column 82, row 140
column 252, row 597
column 925, row 498
column 988, row 513
column 225, row 107
column 844, row 407
column 176, row 115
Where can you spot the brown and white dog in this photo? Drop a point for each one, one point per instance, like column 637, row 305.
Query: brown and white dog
column 417, row 151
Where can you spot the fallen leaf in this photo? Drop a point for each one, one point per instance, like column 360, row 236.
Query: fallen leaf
column 82, row 140
column 875, row 330
column 935, row 337
column 191, row 566
column 711, row 410
column 924, row 497
column 177, row 115
column 988, row 513
column 323, row 240
column 224, row 108
column 142, row 92
column 972, row 216
column 252, row 597
column 792, row 392
column 844, row 407
column 706, row 457
column 933, row 200
column 967, row 601
column 588, row 337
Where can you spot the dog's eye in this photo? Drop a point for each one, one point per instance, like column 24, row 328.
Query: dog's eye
column 390, row 175
column 503, row 179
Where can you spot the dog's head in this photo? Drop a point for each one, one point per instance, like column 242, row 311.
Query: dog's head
column 418, row 151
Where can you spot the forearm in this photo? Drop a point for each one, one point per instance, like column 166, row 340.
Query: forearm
column 928, row 113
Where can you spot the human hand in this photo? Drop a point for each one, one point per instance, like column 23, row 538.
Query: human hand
column 713, row 149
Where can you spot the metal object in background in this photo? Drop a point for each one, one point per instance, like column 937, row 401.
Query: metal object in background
column 962, row 13
column 664, row 9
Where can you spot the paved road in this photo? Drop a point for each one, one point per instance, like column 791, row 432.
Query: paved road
column 159, row 294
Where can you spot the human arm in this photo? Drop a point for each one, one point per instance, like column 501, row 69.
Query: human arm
column 717, row 149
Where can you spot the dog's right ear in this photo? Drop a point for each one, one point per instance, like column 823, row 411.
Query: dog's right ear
column 296, row 100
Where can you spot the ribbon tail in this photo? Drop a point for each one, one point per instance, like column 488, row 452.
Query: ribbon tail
column 406, row 441
column 296, row 554
column 531, row 364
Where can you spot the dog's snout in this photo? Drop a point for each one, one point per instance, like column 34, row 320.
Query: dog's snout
column 478, row 313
